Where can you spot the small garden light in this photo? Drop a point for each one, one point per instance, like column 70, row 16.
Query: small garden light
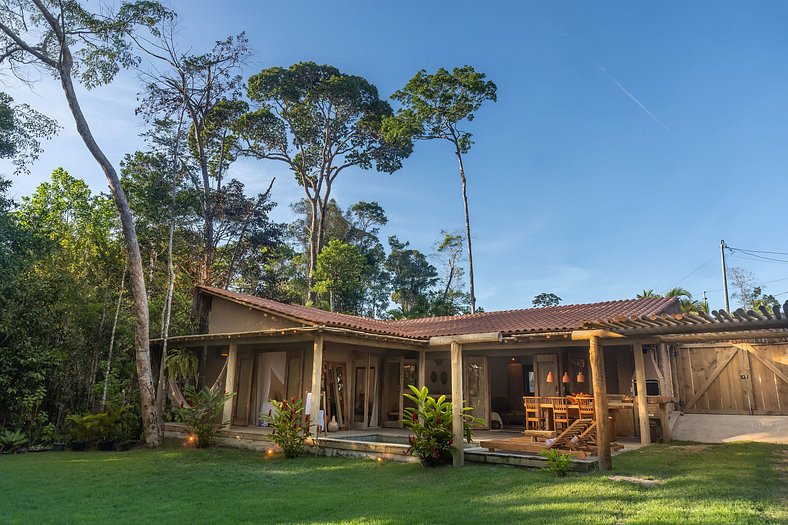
column 191, row 439
column 379, row 459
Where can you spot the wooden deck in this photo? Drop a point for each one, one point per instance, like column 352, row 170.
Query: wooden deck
column 342, row 444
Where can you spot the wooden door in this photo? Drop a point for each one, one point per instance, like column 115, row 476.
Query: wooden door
column 546, row 363
column 738, row 378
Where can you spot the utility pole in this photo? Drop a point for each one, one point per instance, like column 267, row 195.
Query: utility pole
column 705, row 300
column 724, row 276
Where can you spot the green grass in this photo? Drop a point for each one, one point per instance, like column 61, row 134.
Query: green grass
column 732, row 483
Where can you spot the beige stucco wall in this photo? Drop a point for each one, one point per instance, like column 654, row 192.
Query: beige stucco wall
column 227, row 316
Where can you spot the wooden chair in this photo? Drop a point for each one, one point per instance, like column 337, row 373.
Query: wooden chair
column 585, row 407
column 560, row 413
column 533, row 420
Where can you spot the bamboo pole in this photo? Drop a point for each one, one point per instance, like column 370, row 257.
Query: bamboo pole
column 640, row 383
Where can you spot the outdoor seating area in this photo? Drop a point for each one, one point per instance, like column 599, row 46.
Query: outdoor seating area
column 562, row 423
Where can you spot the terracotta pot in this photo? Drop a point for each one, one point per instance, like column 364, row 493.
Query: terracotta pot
column 333, row 426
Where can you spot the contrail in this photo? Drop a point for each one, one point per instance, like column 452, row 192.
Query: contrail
column 634, row 99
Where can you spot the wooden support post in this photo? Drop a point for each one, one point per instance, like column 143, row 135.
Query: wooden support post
column 599, row 382
column 640, row 383
column 203, row 365
column 664, row 419
column 456, row 401
column 229, row 383
column 422, row 375
column 317, row 375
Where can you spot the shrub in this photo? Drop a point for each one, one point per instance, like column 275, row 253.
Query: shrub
column 78, row 427
column 12, row 441
column 203, row 416
column 291, row 427
column 557, row 462
column 431, row 423
column 102, row 424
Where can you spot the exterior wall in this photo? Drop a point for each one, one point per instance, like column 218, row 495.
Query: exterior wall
column 227, row 316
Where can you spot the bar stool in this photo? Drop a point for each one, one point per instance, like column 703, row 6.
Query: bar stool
column 532, row 411
column 560, row 413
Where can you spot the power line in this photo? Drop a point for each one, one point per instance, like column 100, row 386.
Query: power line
column 757, row 251
column 695, row 270
column 763, row 257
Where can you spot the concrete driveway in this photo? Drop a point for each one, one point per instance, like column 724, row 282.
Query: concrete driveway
column 708, row 428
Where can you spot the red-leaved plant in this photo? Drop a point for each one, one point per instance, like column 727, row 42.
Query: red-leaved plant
column 291, row 426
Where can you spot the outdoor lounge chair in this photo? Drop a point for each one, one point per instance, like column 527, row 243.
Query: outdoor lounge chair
column 579, row 440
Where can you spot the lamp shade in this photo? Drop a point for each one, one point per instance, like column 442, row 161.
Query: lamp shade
column 550, row 377
column 581, row 378
column 565, row 378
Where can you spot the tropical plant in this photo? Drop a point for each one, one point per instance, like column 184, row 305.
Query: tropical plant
column 51, row 434
column 291, row 426
column 12, row 441
column 557, row 462
column 182, row 366
column 430, row 420
column 102, row 424
column 202, row 415
column 79, row 427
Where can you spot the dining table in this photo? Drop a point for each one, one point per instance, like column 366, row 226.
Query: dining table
column 613, row 407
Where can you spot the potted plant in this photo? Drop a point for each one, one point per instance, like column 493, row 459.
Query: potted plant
column 54, row 437
column 123, row 430
column 101, row 425
column 79, row 431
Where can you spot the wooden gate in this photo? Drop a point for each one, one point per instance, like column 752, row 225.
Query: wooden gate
column 734, row 378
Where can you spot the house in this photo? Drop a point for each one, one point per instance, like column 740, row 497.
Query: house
column 629, row 349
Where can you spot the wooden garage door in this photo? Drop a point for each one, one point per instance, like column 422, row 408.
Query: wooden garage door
column 735, row 378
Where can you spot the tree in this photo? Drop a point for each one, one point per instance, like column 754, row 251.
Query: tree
column 686, row 303
column 204, row 90
column 339, row 274
column 546, row 299
column 435, row 107
column 65, row 38
column 412, row 278
column 319, row 122
column 450, row 298
column 21, row 132
column 750, row 295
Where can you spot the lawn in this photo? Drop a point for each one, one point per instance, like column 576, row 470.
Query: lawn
column 732, row 483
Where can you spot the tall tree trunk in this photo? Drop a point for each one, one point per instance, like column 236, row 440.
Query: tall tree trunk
column 112, row 339
column 467, row 231
column 314, row 249
column 166, row 313
column 151, row 425
column 201, row 306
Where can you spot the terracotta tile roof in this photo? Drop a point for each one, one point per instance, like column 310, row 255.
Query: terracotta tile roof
column 532, row 320
column 548, row 319
column 307, row 315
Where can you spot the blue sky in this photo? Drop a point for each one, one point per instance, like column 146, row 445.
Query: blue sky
column 627, row 140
